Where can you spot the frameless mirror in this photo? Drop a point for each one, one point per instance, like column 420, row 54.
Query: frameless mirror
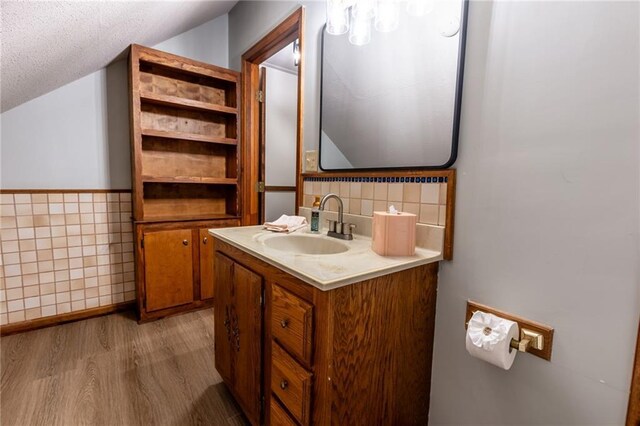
column 395, row 101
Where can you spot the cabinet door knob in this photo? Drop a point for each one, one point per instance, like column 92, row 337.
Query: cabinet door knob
column 204, row 240
column 185, row 242
column 284, row 323
column 284, row 384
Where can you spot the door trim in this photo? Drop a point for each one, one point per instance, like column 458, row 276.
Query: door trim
column 283, row 34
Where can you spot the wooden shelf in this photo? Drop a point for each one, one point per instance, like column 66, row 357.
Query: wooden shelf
column 191, row 67
column 175, row 101
column 189, row 179
column 186, row 217
column 188, row 137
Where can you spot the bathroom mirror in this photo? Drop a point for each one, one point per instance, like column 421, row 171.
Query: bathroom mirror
column 394, row 103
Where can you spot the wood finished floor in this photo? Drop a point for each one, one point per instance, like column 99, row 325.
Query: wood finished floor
column 112, row 371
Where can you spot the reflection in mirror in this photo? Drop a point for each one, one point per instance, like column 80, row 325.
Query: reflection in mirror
column 394, row 102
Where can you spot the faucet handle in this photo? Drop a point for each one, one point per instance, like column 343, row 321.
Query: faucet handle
column 332, row 225
column 347, row 228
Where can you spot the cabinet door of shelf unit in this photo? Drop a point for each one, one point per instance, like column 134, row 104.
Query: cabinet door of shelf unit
column 168, row 273
column 207, row 275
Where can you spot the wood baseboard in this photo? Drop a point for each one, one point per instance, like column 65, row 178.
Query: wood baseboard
column 37, row 323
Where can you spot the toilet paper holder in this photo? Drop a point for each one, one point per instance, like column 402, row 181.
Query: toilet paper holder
column 528, row 339
column 535, row 338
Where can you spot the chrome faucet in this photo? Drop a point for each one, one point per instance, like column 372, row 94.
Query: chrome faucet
column 338, row 229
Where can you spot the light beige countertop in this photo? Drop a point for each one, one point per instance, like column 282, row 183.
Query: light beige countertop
column 326, row 271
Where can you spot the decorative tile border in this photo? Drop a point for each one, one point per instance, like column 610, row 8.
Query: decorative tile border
column 388, row 179
column 425, row 196
column 64, row 251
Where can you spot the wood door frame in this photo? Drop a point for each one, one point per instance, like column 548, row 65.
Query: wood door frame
column 633, row 409
column 286, row 32
column 262, row 111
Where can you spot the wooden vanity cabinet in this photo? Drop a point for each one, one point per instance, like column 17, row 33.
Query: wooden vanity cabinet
column 355, row 355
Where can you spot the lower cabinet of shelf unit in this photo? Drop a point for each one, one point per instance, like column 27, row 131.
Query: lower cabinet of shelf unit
column 168, row 272
column 175, row 267
column 206, row 264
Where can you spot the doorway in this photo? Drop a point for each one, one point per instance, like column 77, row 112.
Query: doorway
column 278, row 134
column 269, row 185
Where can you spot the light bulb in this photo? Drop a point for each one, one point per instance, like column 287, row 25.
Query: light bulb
column 420, row 7
column 388, row 16
column 364, row 9
column 337, row 17
column 360, row 32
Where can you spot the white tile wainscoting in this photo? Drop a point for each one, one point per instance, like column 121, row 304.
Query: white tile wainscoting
column 64, row 251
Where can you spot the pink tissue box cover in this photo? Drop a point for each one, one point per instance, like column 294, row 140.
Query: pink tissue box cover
column 394, row 234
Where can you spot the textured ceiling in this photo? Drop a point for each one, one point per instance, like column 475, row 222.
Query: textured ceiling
column 47, row 44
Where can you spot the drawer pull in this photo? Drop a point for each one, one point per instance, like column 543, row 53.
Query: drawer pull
column 204, row 240
column 284, row 323
column 185, row 242
column 284, row 384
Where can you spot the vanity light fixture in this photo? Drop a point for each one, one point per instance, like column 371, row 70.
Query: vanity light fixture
column 420, row 7
column 296, row 52
column 360, row 31
column 337, row 16
column 388, row 16
column 358, row 16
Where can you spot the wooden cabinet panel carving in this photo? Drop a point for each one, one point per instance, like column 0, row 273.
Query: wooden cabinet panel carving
column 222, row 317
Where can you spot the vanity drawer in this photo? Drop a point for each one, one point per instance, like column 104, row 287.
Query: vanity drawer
column 291, row 383
column 292, row 323
column 278, row 416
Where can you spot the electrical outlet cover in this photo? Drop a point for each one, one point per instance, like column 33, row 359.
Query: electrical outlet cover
column 311, row 161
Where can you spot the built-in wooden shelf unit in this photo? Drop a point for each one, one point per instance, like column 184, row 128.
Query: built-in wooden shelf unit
column 184, row 133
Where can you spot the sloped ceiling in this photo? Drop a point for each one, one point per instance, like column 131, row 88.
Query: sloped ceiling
column 47, row 44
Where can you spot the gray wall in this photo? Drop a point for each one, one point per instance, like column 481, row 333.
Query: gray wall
column 77, row 136
column 547, row 212
column 547, row 219
column 249, row 21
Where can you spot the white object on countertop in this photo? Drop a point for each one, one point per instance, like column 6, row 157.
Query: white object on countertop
column 286, row 224
column 489, row 337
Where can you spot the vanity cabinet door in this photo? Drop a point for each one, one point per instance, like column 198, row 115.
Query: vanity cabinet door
column 206, row 265
column 168, row 272
column 222, row 314
column 238, row 332
column 248, row 340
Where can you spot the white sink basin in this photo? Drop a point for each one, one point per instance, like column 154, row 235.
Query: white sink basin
column 305, row 244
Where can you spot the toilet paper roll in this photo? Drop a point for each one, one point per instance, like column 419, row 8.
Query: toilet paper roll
column 489, row 337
